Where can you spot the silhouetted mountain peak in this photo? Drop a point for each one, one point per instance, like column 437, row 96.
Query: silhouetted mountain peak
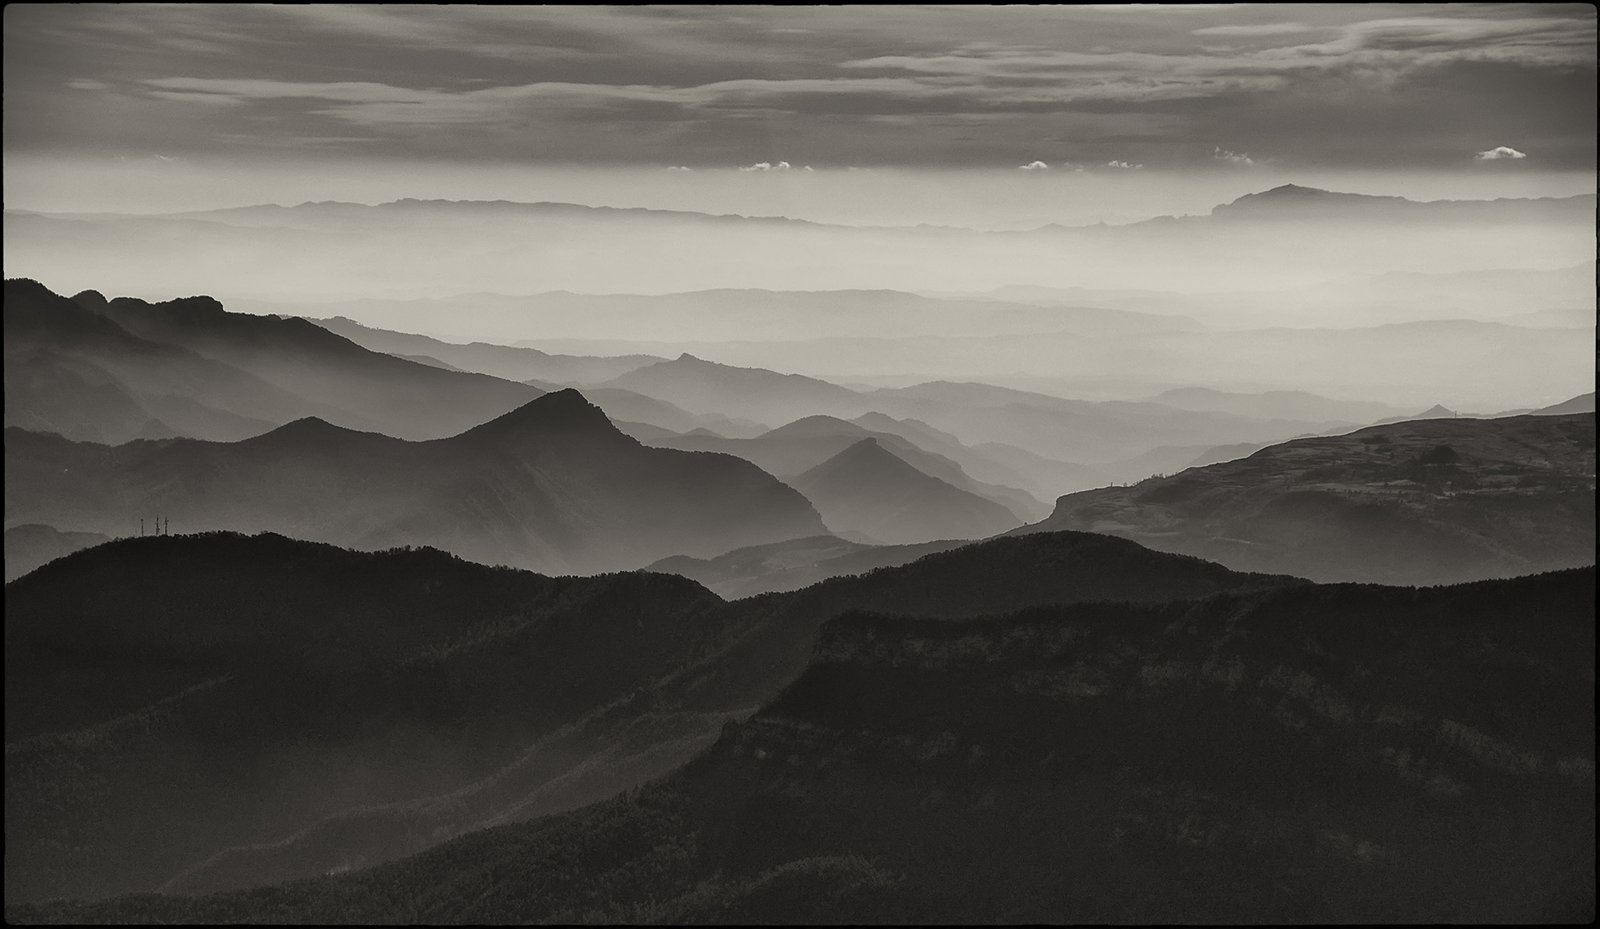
column 32, row 307
column 1291, row 197
column 92, row 300
column 820, row 425
column 310, row 432
column 183, row 309
column 1438, row 411
column 563, row 412
column 866, row 458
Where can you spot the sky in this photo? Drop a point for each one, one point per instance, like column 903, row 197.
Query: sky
column 148, row 107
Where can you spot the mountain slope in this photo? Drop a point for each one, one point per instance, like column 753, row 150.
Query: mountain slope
column 1345, row 754
column 794, row 448
column 150, row 670
column 30, row 545
column 170, row 696
column 513, row 363
column 783, row 566
column 751, row 393
column 112, row 371
column 551, row 485
column 1418, row 502
column 71, row 371
column 867, row 489
column 366, row 389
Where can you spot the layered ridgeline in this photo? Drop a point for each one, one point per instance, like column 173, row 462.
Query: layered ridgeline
column 867, row 491
column 1431, row 288
column 1307, row 754
column 167, row 697
column 1418, row 502
column 792, row 450
column 195, row 713
column 783, row 566
column 512, row 362
column 32, row 544
column 112, row 371
column 552, row 485
column 441, row 248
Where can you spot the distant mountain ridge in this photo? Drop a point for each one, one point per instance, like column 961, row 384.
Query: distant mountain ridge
column 868, row 490
column 551, row 484
column 509, row 362
column 115, row 370
column 1291, row 200
column 1415, row 502
column 438, row 249
column 794, row 448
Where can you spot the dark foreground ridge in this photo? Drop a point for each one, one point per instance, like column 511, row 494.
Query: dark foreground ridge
column 1127, row 736
column 1347, row 753
column 217, row 711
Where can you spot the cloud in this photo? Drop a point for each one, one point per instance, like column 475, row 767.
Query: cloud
column 767, row 166
column 1499, row 152
column 679, row 168
column 1259, row 29
column 1123, row 164
column 956, row 85
column 1033, row 166
column 1238, row 158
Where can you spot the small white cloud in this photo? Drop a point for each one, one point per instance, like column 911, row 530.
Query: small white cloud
column 1499, row 152
column 83, row 83
column 1238, row 158
column 806, row 168
column 679, row 168
column 1033, row 166
column 767, row 166
column 1124, row 165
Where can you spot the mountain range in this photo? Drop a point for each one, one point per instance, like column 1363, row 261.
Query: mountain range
column 552, row 484
column 510, row 362
column 1415, row 502
column 110, row 371
column 1216, row 747
column 795, row 448
column 618, row 621
column 438, row 249
column 868, row 492
column 134, row 723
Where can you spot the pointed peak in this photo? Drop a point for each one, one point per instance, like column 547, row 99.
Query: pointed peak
column 686, row 357
column 818, row 425
column 306, row 429
column 1438, row 411
column 567, row 398
column 866, row 452
column 560, row 412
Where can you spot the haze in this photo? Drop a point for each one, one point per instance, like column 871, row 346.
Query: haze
column 799, row 464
